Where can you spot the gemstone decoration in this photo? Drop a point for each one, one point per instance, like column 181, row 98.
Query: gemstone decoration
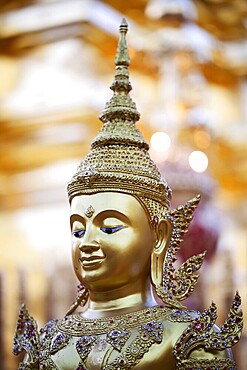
column 84, row 345
column 203, row 334
column 89, row 211
column 61, row 340
column 27, row 338
column 149, row 333
column 118, row 338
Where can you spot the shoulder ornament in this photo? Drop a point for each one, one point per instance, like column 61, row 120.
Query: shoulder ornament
column 26, row 338
column 202, row 334
column 49, row 342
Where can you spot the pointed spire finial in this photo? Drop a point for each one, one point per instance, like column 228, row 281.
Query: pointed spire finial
column 122, row 55
column 121, row 106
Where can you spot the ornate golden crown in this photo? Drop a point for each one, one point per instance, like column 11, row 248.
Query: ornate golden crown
column 119, row 158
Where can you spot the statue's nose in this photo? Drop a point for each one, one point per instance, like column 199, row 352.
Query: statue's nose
column 89, row 247
column 89, row 243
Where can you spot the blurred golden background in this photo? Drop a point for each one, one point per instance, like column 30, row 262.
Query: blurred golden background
column 188, row 72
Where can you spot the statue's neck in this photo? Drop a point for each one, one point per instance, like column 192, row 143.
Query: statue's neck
column 127, row 298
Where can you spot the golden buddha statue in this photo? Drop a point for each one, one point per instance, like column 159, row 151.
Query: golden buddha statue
column 124, row 241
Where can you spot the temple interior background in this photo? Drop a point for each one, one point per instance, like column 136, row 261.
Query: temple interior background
column 188, row 72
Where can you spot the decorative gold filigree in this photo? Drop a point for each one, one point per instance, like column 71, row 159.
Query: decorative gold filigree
column 80, row 300
column 26, row 338
column 184, row 277
column 202, row 333
column 75, row 325
column 60, row 341
column 117, row 338
column 27, row 366
column 199, row 334
column 149, row 334
column 116, row 331
column 215, row 364
column 47, row 334
column 178, row 285
column 84, row 345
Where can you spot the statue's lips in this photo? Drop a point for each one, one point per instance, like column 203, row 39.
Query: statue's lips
column 91, row 262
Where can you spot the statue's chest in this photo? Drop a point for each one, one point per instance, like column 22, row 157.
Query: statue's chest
column 107, row 345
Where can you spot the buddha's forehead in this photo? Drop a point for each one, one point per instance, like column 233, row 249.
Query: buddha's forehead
column 111, row 201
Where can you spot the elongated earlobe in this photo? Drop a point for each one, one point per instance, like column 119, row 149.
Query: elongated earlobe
column 163, row 232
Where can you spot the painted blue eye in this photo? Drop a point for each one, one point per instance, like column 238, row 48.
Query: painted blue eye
column 111, row 230
column 78, row 234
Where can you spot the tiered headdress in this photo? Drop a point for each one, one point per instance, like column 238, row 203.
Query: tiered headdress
column 119, row 159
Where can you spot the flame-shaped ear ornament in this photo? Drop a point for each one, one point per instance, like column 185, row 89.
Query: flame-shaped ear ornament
column 177, row 285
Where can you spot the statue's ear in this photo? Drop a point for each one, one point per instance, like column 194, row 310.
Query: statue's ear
column 163, row 235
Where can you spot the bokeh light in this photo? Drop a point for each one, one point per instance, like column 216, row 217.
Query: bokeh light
column 160, row 141
column 198, row 161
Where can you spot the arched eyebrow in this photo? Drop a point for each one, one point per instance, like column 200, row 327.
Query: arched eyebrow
column 112, row 213
column 106, row 213
column 76, row 217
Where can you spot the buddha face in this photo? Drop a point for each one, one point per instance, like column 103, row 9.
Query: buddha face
column 112, row 240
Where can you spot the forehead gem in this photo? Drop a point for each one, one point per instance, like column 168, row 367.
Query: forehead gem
column 89, row 211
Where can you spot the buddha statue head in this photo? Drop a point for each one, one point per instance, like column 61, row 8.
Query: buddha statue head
column 122, row 229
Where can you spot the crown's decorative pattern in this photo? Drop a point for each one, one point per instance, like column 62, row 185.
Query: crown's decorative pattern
column 119, row 158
